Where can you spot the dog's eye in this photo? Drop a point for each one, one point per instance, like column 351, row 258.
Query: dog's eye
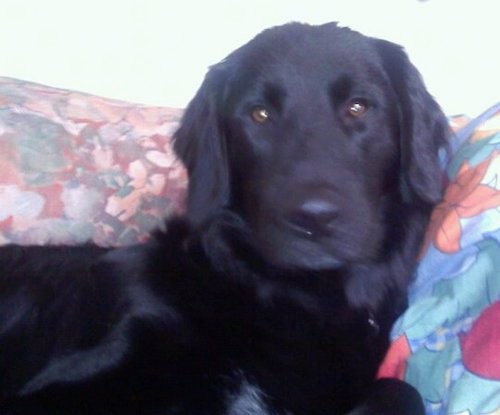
column 260, row 115
column 357, row 107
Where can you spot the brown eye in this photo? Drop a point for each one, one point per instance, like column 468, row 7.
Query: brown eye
column 260, row 115
column 357, row 107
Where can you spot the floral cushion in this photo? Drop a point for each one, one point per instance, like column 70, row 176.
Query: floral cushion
column 76, row 167
column 447, row 343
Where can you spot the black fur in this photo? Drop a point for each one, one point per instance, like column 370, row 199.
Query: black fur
column 313, row 160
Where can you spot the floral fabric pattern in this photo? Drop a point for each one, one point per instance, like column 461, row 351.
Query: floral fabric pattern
column 76, row 167
column 447, row 343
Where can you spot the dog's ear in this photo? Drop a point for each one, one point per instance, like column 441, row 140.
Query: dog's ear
column 423, row 127
column 200, row 144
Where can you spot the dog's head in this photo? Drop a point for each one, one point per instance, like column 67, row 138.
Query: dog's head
column 315, row 135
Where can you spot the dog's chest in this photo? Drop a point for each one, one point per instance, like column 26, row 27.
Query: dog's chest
column 292, row 358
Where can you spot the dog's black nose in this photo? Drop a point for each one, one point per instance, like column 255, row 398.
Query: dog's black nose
column 315, row 217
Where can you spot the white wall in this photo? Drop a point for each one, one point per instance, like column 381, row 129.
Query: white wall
column 157, row 51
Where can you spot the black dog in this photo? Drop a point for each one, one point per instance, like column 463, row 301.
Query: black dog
column 313, row 162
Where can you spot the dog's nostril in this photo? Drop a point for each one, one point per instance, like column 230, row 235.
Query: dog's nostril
column 314, row 217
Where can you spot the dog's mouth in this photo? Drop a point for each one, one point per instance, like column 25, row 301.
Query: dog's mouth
column 307, row 228
column 287, row 245
column 299, row 242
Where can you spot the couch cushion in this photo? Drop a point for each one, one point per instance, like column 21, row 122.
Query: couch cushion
column 76, row 167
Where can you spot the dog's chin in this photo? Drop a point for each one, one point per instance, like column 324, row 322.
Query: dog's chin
column 292, row 252
column 315, row 262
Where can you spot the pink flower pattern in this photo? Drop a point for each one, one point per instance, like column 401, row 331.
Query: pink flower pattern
column 76, row 167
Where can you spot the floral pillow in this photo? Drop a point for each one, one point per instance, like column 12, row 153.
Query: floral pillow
column 447, row 343
column 76, row 167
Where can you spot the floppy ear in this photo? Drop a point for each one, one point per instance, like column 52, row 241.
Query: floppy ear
column 201, row 145
column 423, row 127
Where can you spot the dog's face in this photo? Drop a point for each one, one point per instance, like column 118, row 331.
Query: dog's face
column 313, row 146
column 314, row 143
